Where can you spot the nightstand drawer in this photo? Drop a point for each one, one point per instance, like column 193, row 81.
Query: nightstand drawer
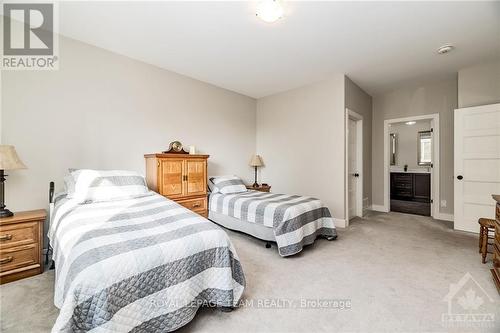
column 16, row 257
column 18, row 234
column 199, row 204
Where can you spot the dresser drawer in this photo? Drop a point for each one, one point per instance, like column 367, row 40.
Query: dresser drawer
column 16, row 257
column 403, row 178
column 18, row 234
column 197, row 205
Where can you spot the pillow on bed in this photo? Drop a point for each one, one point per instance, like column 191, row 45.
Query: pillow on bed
column 211, row 185
column 228, row 185
column 99, row 185
column 69, row 184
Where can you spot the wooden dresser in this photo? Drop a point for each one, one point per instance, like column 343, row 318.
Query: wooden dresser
column 496, row 247
column 21, row 243
column 180, row 177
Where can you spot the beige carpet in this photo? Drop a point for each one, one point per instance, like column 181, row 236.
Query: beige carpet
column 394, row 268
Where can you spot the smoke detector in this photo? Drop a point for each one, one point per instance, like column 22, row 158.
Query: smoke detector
column 447, row 48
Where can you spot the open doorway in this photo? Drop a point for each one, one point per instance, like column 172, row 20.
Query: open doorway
column 354, row 165
column 411, row 165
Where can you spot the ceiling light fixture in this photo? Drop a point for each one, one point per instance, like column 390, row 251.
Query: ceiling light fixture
column 410, row 122
column 269, row 10
column 445, row 49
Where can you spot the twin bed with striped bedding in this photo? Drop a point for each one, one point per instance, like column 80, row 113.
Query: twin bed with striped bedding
column 295, row 220
column 139, row 264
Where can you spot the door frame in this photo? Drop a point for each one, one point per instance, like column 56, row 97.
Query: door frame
column 435, row 170
column 350, row 114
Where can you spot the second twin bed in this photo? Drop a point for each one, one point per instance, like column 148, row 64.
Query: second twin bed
column 292, row 221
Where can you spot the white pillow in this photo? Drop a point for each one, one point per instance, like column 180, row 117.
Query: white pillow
column 69, row 184
column 211, row 184
column 228, row 184
column 100, row 185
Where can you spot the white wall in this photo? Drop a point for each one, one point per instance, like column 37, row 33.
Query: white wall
column 433, row 97
column 357, row 100
column 407, row 142
column 103, row 110
column 479, row 84
column 300, row 135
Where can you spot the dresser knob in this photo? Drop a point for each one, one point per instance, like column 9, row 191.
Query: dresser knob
column 5, row 237
column 5, row 260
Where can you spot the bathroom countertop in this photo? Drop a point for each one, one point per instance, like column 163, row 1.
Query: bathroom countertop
column 409, row 171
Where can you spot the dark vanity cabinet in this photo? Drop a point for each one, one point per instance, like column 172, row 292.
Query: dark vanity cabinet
column 411, row 193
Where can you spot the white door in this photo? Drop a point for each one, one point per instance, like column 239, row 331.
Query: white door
column 477, row 164
column 352, row 165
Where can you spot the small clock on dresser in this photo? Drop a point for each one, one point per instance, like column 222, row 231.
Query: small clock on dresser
column 175, row 147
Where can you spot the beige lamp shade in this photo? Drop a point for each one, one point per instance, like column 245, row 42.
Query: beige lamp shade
column 256, row 161
column 9, row 159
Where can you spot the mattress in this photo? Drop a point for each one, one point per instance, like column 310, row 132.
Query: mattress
column 145, row 264
column 295, row 220
column 256, row 230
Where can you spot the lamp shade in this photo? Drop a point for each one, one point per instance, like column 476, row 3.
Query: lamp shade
column 256, row 161
column 9, row 159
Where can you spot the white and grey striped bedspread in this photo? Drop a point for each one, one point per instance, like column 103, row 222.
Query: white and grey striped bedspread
column 296, row 220
column 140, row 265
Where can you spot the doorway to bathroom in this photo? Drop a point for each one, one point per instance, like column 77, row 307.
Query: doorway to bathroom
column 411, row 167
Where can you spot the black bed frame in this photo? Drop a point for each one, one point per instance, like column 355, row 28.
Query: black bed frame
column 49, row 248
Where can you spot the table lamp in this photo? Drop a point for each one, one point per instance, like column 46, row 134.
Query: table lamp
column 8, row 161
column 256, row 162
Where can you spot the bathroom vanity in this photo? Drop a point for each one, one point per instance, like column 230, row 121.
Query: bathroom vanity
column 411, row 192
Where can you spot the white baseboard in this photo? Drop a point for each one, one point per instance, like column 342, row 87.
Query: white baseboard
column 379, row 208
column 339, row 223
column 366, row 205
column 444, row 217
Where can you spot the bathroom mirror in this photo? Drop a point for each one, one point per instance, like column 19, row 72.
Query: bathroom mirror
column 424, row 148
column 393, row 151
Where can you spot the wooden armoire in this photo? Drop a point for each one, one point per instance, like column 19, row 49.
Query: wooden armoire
column 179, row 177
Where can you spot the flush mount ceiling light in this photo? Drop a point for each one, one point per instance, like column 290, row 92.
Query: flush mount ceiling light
column 269, row 10
column 445, row 49
column 410, row 122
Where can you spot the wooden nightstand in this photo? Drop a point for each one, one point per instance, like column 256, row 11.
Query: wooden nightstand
column 21, row 243
column 261, row 188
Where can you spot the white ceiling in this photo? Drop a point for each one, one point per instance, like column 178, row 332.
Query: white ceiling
column 378, row 45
